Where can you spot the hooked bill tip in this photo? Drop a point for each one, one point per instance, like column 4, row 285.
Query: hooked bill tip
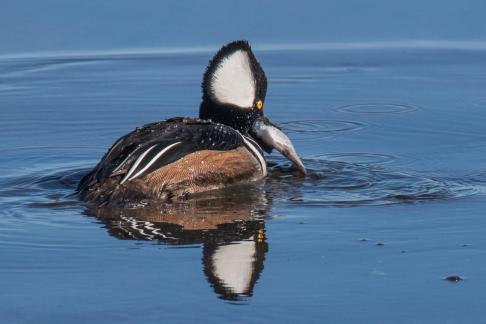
column 296, row 162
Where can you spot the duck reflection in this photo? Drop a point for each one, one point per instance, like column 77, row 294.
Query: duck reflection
column 229, row 224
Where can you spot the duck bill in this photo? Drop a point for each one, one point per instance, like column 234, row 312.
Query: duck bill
column 273, row 138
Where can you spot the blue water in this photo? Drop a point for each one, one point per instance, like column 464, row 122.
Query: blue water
column 58, row 25
column 393, row 138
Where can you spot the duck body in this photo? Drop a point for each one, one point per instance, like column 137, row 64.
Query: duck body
column 180, row 157
column 173, row 159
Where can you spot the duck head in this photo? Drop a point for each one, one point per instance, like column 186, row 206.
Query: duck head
column 234, row 88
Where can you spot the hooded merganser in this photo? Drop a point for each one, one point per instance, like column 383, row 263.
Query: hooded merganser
column 179, row 157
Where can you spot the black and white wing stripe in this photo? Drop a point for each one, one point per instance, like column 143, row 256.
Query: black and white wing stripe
column 147, row 159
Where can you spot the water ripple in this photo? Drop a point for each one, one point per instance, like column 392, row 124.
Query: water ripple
column 319, row 128
column 359, row 157
column 334, row 183
column 36, row 206
column 21, row 67
column 377, row 108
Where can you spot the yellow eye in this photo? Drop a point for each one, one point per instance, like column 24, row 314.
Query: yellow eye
column 259, row 104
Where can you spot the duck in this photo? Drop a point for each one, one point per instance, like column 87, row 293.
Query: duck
column 180, row 157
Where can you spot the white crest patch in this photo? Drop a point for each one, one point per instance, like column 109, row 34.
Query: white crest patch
column 232, row 81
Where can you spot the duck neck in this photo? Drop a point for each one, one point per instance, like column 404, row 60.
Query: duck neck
column 238, row 118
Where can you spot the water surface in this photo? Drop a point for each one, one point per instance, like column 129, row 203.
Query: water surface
column 394, row 143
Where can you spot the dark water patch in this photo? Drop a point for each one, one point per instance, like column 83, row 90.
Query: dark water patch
column 377, row 108
column 65, row 179
column 57, row 204
column 45, row 188
column 454, row 278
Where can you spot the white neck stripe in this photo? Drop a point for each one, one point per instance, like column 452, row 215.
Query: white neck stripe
column 257, row 152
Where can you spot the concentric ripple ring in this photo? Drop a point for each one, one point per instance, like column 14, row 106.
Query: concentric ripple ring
column 377, row 108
